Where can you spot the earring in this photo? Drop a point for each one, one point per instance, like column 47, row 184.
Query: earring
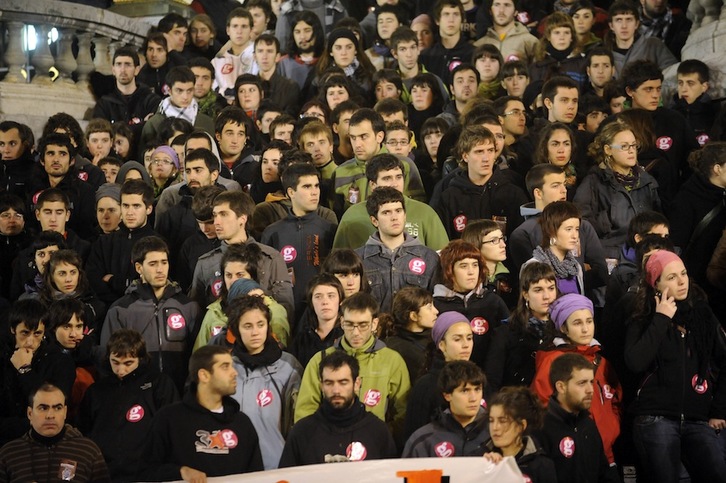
column 526, row 303
column 553, row 241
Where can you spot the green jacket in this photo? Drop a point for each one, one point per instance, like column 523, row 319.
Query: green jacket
column 353, row 173
column 422, row 222
column 384, row 376
column 215, row 321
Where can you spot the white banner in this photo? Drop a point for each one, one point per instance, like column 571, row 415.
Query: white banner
column 409, row 470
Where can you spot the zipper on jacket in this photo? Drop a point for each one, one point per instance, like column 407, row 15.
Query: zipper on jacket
column 158, row 333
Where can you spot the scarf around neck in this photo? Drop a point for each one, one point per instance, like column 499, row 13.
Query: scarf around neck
column 188, row 113
column 566, row 268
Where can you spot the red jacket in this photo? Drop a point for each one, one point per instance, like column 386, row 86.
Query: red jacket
column 607, row 400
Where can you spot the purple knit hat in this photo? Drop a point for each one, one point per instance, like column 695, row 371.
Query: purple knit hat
column 563, row 307
column 444, row 322
column 170, row 151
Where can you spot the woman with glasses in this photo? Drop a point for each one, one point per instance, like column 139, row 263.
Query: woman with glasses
column 618, row 190
column 164, row 168
column 492, row 243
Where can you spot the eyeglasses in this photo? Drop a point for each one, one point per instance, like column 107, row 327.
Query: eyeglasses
column 164, row 162
column 515, row 112
column 495, row 241
column 362, row 326
column 397, row 143
column 11, row 216
column 625, row 147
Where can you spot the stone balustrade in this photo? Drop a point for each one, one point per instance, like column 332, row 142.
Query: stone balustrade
column 98, row 33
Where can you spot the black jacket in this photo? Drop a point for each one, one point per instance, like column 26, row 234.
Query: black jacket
column 177, row 224
column 81, row 194
column 116, row 107
column 192, row 248
column 694, row 200
column 609, row 207
column 484, row 309
column 306, row 342
column 676, row 139
column 668, row 365
column 49, row 364
column 510, row 360
column 187, row 434
column 10, row 247
column 117, row 415
column 131, row 110
column 16, row 174
column 304, row 242
column 463, row 201
column 315, row 438
column 534, row 464
column 244, row 168
column 111, row 254
column 440, row 61
column 425, row 401
column 412, row 347
column 573, row 443
column 445, row 437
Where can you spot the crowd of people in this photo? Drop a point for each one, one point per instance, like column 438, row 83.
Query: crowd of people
column 300, row 231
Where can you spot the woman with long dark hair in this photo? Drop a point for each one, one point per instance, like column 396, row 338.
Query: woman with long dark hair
column 676, row 344
column 510, row 360
column 268, row 379
column 64, row 277
column 407, row 330
column 514, row 413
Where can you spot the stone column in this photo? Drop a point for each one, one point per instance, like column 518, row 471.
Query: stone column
column 42, row 58
column 84, row 60
column 66, row 63
column 102, row 60
column 15, row 56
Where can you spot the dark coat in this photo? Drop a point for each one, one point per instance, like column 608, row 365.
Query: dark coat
column 187, row 434
column 609, row 207
column 573, row 443
column 117, row 415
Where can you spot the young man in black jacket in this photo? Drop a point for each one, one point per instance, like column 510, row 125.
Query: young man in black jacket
column 341, row 429
column 157, row 308
column 109, row 266
column 479, row 191
column 117, row 410
column 206, row 434
column 570, row 437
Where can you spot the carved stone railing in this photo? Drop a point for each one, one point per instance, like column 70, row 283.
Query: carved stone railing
column 34, row 101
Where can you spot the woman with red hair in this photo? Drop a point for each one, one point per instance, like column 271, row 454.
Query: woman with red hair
column 463, row 289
